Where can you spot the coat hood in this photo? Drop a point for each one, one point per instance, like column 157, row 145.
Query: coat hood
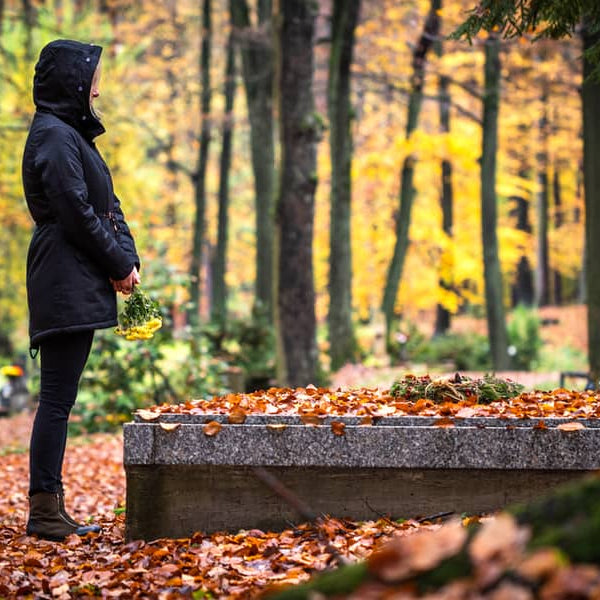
column 62, row 83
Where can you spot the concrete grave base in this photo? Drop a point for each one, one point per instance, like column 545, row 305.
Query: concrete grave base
column 180, row 481
column 176, row 501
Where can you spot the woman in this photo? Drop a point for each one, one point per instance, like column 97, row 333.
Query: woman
column 81, row 253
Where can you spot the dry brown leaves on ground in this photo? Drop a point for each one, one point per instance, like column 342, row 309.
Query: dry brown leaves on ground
column 224, row 565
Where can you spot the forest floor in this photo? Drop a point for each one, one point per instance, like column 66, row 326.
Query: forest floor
column 221, row 565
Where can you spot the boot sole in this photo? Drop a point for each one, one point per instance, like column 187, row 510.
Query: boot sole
column 51, row 538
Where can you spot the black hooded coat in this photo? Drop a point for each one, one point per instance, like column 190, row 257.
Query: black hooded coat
column 81, row 239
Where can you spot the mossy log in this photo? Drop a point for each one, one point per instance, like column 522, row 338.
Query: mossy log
column 568, row 520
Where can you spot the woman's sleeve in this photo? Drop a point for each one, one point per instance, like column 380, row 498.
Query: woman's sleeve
column 124, row 236
column 59, row 161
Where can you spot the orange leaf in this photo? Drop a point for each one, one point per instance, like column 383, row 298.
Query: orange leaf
column 237, row 416
column 276, row 426
column 148, row 415
column 211, row 429
column 33, row 559
column 368, row 420
column 571, row 426
column 170, row 426
column 310, row 419
column 445, row 422
column 338, row 427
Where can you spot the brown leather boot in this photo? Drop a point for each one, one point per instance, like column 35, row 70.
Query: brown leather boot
column 66, row 515
column 47, row 521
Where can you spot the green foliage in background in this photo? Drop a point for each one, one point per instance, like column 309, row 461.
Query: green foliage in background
column 245, row 343
column 122, row 376
column 525, row 341
column 466, row 352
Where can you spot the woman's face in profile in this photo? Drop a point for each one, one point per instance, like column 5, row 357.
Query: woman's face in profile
column 95, row 89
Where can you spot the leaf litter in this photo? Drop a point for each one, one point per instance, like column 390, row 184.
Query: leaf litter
column 244, row 564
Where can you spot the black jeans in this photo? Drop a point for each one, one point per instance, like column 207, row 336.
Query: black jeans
column 63, row 357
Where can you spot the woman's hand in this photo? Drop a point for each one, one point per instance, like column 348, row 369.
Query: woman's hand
column 125, row 286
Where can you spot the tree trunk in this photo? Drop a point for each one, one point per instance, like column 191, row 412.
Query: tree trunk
column 523, row 290
column 300, row 130
column 200, row 175
column 342, row 344
column 407, row 191
column 491, row 263
column 558, row 221
column 543, row 201
column 442, row 319
column 258, row 72
column 591, row 177
column 29, row 20
column 219, row 266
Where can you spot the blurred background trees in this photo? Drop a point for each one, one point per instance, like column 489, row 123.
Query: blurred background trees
column 427, row 179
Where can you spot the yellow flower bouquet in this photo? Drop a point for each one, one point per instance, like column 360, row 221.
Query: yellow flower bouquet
column 140, row 317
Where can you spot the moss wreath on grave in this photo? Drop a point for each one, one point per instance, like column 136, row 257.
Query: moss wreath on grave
column 458, row 388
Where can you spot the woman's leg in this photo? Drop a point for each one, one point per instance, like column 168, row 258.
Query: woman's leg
column 63, row 358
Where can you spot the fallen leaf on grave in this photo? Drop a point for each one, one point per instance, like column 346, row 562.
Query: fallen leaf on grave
column 445, row 422
column 148, row 415
column 540, row 425
column 368, row 420
column 571, row 426
column 276, row 426
column 170, row 426
column 310, row 419
column 338, row 428
column 236, row 417
column 212, row 428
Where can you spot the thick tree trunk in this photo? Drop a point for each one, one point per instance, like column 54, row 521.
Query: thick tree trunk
column 558, row 221
column 219, row 266
column 342, row 344
column 258, row 72
column 300, row 129
column 591, row 176
column 442, row 319
column 407, row 191
column 542, row 291
column 491, row 263
column 200, row 175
